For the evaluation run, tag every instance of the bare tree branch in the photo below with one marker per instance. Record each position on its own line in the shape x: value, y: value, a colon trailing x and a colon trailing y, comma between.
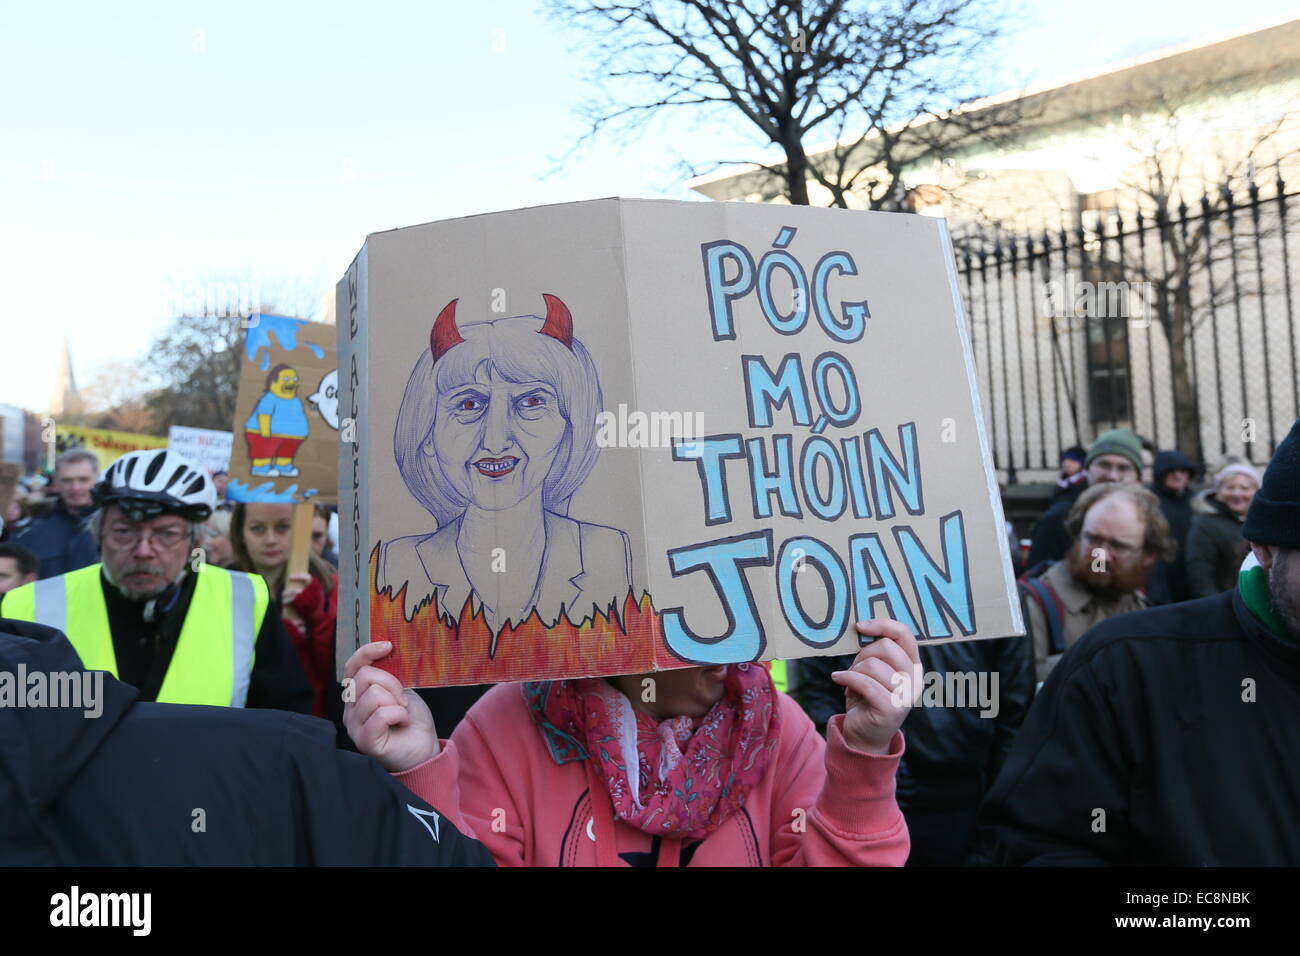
x: 794, y: 70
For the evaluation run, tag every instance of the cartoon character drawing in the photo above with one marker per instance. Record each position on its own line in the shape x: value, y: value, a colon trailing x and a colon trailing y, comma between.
x: 495, y: 434
x: 277, y: 426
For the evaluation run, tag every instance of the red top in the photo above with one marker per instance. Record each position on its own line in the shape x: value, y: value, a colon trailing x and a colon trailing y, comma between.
x: 314, y: 639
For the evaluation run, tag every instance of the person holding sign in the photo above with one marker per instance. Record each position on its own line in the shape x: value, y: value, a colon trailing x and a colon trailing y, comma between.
x: 277, y: 426
x: 704, y: 766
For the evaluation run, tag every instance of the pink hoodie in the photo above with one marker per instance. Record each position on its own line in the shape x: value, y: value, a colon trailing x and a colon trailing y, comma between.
x: 821, y: 803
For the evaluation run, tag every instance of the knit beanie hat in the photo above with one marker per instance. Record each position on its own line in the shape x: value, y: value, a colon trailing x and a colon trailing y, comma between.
x: 1236, y: 468
x: 1172, y: 460
x: 1118, y: 441
x: 1274, y: 515
x: 1076, y: 453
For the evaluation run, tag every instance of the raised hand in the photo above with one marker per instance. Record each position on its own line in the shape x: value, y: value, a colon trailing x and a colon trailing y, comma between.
x: 296, y: 584
x: 881, y: 685
x: 385, y: 720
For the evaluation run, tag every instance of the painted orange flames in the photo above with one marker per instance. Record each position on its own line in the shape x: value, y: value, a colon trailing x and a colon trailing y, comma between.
x: 429, y: 652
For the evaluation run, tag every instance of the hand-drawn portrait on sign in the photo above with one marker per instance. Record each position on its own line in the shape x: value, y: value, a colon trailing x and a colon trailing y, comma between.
x: 495, y: 433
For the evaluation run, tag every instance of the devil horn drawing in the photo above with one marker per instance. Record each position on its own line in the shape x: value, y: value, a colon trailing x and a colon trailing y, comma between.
x: 444, y: 335
x: 559, y: 322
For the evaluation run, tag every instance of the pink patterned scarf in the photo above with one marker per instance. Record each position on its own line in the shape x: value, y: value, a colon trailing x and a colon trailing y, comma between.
x: 691, y: 774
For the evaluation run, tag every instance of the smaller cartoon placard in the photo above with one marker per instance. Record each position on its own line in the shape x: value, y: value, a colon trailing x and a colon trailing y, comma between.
x: 286, y: 419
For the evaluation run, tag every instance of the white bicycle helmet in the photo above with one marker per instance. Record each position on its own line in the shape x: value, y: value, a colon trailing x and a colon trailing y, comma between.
x: 155, y: 481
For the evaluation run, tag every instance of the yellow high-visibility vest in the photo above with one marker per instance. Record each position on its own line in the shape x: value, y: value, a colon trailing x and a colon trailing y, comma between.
x: 214, y: 654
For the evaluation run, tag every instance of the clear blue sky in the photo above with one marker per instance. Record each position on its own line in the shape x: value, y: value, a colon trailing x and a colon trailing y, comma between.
x: 147, y: 146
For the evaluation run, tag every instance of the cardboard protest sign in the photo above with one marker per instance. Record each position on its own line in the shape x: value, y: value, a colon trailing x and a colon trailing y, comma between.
x: 622, y: 436
x: 285, y: 444
x: 107, y: 445
x: 208, y: 447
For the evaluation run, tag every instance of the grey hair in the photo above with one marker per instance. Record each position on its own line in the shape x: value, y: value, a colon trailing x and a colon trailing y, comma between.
x: 218, y: 523
x: 74, y: 455
x: 513, y: 349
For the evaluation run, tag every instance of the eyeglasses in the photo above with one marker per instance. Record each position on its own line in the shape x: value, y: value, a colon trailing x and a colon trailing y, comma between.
x: 1122, y: 470
x: 1117, y: 548
x: 123, y: 537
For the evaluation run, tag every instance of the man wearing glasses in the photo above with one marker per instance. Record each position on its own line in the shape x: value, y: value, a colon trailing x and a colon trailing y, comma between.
x: 1116, y: 455
x: 154, y: 614
x: 1118, y: 533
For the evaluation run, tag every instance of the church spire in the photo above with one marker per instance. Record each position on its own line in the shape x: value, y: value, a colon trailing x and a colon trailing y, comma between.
x: 65, y: 400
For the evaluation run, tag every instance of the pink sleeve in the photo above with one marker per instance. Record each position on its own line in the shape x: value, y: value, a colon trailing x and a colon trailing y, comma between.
x: 484, y: 806
x: 836, y: 806
x: 437, y: 783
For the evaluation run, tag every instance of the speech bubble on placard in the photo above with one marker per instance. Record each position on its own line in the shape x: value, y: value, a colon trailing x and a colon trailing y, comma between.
x: 326, y: 399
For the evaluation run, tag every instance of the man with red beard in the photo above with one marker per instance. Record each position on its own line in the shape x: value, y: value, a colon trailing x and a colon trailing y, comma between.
x: 1118, y: 532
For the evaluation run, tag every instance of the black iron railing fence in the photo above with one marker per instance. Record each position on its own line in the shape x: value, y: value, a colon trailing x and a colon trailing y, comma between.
x: 1177, y: 320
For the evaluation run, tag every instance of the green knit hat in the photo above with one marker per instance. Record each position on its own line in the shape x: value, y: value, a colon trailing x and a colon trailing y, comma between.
x: 1118, y: 441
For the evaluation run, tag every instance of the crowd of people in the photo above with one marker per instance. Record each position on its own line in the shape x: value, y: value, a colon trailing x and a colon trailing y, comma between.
x: 1144, y: 718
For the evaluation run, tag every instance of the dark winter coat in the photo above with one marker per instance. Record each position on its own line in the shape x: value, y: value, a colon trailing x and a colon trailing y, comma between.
x: 1164, y: 737
x: 1215, y: 547
x: 953, y: 754
x: 60, y: 539
x: 184, y: 785
x: 1049, y: 540
x: 1177, y: 509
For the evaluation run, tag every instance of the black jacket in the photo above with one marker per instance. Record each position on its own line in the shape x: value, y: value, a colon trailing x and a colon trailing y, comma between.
x: 182, y: 785
x: 1049, y: 540
x: 60, y: 540
x: 144, y: 650
x: 1215, y: 546
x: 1177, y: 509
x: 1164, y: 737
x: 953, y: 754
